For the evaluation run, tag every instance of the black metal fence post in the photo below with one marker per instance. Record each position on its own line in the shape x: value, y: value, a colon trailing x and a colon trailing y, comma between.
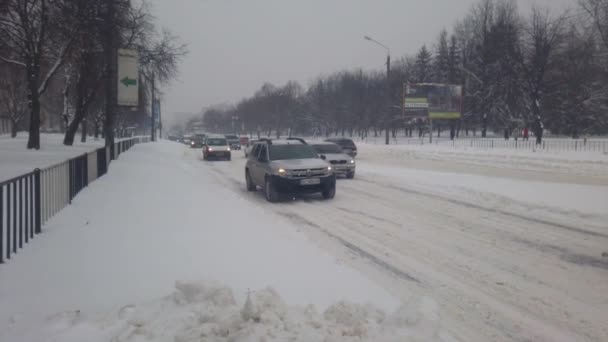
x: 14, y: 217
x: 1, y: 224
x: 26, y: 204
x: 32, y: 207
x: 21, y: 213
x: 38, y: 202
x: 8, y: 221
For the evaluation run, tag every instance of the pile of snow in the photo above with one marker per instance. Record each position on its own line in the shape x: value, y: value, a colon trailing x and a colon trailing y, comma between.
x: 209, y: 312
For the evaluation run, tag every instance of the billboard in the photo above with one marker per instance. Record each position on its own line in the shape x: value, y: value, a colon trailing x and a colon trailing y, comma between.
x: 128, y: 78
x: 432, y: 100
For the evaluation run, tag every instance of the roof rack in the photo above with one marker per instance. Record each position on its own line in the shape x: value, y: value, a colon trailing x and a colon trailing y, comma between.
x: 298, y: 139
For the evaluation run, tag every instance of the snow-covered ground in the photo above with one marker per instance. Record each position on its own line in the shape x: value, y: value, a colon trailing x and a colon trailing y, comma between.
x: 509, y: 245
x: 446, y: 244
x: 16, y: 159
x: 103, y: 267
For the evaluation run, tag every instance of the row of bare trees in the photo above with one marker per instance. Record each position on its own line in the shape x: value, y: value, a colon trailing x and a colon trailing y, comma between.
x: 543, y: 70
x: 56, y: 57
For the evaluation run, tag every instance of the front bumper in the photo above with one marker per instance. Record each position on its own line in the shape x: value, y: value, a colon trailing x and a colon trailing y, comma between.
x: 217, y: 154
x: 343, y: 169
x: 293, y: 186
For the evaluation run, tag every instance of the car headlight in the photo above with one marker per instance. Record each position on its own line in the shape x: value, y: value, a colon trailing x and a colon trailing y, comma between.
x: 210, y: 149
x: 228, y: 149
x: 281, y: 172
x: 329, y: 169
x: 352, y: 161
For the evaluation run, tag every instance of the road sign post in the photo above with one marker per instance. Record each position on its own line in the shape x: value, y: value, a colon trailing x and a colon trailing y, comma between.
x: 433, y: 101
x: 128, y: 78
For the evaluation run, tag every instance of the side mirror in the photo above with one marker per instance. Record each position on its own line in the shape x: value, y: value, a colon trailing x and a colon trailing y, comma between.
x: 323, y: 157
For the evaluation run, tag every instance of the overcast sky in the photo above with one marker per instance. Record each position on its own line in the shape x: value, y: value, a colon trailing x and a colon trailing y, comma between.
x: 237, y: 45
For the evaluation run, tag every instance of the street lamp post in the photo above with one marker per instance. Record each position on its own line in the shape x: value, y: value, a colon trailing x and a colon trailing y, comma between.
x: 388, y: 86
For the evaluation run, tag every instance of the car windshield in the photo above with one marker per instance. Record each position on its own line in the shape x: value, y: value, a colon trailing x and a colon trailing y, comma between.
x: 216, y: 142
x: 327, y: 148
x: 345, y: 143
x: 231, y: 137
x: 285, y: 152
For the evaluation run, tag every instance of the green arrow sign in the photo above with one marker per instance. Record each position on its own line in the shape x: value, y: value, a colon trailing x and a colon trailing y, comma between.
x: 128, y: 81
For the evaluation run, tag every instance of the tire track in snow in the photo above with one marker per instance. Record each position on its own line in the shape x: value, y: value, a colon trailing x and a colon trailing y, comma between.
x: 491, y: 210
x: 294, y: 217
x: 353, y: 248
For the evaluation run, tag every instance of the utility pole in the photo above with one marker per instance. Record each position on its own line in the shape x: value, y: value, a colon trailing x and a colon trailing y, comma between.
x: 153, y: 111
x: 388, y: 97
x: 111, y: 59
x: 388, y: 86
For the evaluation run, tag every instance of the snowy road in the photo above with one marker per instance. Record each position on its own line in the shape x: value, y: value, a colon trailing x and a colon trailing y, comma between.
x: 504, y: 247
x: 507, y: 258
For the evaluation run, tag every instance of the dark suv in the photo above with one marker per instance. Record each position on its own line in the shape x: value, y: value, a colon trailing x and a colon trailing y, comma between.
x: 348, y: 145
x: 288, y: 167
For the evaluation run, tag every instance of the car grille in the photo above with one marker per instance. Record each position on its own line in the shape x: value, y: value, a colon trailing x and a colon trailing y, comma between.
x: 338, y: 162
x: 304, y: 173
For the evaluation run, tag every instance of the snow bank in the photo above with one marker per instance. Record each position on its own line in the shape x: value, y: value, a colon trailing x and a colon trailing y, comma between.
x: 204, y: 311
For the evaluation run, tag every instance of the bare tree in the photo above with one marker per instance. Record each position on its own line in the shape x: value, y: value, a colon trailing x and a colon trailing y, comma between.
x: 540, y: 43
x: 27, y: 27
x: 13, y: 102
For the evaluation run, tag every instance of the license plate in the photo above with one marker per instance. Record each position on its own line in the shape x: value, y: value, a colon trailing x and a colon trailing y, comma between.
x: 311, y: 181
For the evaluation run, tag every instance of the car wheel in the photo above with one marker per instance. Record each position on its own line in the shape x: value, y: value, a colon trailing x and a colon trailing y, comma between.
x: 330, y: 192
x: 350, y: 175
x: 250, y: 186
x: 271, y: 194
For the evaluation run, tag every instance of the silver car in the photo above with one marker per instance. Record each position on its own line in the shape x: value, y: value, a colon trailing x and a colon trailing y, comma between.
x: 342, y: 163
x: 288, y: 166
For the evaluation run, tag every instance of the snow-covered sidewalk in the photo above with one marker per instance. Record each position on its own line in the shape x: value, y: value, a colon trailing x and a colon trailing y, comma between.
x: 106, y: 268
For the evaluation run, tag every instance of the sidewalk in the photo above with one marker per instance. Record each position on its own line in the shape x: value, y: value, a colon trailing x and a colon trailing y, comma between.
x: 154, y: 220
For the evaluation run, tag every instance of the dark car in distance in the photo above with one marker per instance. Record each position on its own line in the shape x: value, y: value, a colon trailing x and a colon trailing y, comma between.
x: 348, y: 145
x: 233, y: 141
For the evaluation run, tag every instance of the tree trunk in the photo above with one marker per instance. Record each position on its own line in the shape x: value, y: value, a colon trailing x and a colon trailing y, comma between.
x: 83, y: 129
x: 14, y: 129
x: 80, y: 110
x: 33, y: 71
x: 96, y: 130
x: 452, y: 130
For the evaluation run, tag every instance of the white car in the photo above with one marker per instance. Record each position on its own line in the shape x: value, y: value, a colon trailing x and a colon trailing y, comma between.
x: 342, y: 163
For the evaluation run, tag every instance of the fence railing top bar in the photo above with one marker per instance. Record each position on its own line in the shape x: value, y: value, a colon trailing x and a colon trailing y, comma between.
x: 15, y: 179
